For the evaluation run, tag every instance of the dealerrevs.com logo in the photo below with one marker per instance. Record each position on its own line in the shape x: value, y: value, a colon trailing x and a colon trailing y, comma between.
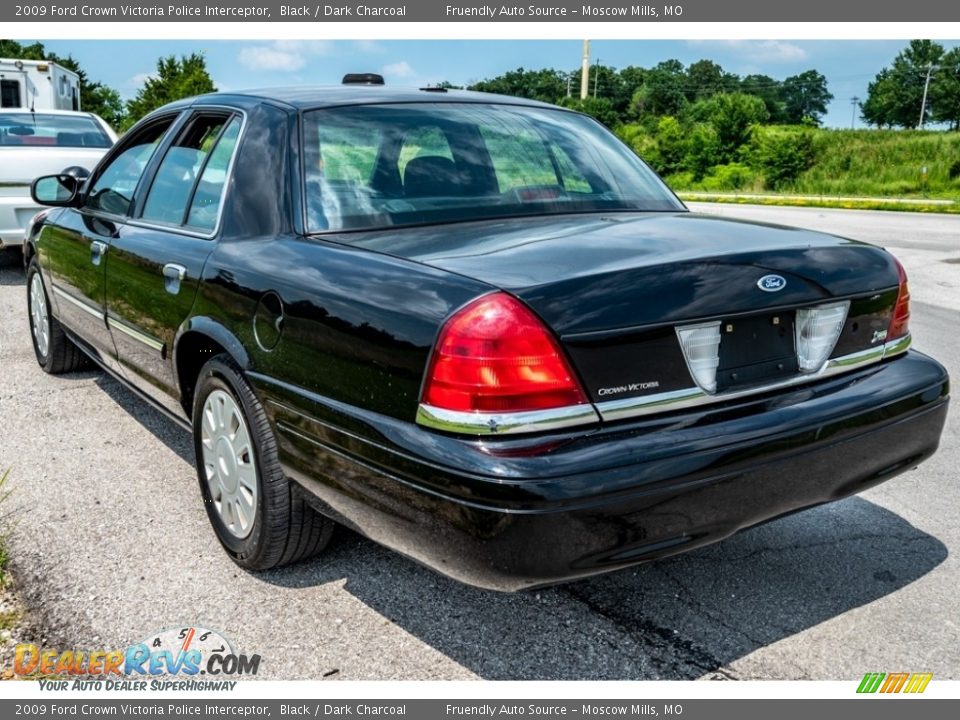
x: 181, y: 658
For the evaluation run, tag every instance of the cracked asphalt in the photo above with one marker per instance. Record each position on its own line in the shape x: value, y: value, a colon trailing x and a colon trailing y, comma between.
x: 111, y: 543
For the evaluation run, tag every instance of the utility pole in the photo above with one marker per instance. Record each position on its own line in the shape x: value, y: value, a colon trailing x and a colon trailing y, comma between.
x: 569, y: 81
x: 923, y: 105
x: 596, y: 77
x: 585, y: 71
x: 855, y: 101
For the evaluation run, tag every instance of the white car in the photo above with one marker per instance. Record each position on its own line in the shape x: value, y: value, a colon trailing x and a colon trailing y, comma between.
x: 42, y: 143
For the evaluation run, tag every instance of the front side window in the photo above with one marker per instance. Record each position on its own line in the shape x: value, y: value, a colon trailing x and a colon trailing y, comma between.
x: 378, y: 166
x: 112, y: 190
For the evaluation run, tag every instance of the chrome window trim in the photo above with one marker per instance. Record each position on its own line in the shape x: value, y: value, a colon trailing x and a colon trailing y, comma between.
x: 184, y: 229
x: 695, y: 397
x: 491, y: 423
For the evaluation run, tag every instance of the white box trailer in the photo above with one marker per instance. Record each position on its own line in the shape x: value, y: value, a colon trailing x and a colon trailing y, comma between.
x: 38, y: 85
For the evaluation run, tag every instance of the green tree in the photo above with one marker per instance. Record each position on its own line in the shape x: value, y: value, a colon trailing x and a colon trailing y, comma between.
x: 945, y: 90
x: 546, y: 85
x: 706, y: 78
x: 662, y: 92
x: 896, y: 94
x: 175, y: 79
x: 878, y: 108
x: 703, y: 150
x: 782, y: 154
x: 805, y: 96
x: 767, y: 89
x: 95, y: 97
x: 605, y: 82
x: 597, y: 107
x: 732, y: 116
x: 13, y: 49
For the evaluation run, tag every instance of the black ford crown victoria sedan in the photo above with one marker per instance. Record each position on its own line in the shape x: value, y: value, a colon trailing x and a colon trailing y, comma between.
x: 474, y: 328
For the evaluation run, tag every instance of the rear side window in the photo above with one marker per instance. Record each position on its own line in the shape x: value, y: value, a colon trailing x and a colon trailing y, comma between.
x: 188, y: 184
x: 205, y: 206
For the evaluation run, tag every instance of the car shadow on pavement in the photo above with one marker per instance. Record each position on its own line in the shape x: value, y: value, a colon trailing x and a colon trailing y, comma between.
x: 162, y: 427
x: 679, y: 618
x: 11, y: 274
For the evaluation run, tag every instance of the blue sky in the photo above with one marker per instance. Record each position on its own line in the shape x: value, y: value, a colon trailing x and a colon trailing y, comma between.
x: 236, y: 64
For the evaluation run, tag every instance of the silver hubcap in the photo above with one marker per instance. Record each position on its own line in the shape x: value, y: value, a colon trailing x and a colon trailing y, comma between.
x: 40, y: 320
x: 228, y: 463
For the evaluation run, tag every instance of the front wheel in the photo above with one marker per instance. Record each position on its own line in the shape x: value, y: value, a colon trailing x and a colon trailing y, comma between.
x: 55, y: 352
x: 259, y: 521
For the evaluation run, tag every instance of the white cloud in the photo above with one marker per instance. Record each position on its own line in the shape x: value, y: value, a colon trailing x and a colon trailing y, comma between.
x: 401, y: 69
x: 369, y: 46
x: 268, y: 58
x: 282, y: 55
x: 139, y: 79
x: 759, y: 51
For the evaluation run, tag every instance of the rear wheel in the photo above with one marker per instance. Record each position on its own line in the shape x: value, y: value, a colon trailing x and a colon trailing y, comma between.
x: 257, y: 517
x: 55, y: 352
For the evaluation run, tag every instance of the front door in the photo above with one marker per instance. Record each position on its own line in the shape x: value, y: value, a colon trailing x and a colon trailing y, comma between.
x: 75, y: 248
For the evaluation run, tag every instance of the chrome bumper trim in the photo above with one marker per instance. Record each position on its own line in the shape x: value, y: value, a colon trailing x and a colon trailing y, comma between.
x: 694, y: 396
x: 479, y: 423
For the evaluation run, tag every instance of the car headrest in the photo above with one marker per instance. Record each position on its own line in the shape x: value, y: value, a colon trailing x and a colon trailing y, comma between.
x: 430, y: 175
x: 70, y: 139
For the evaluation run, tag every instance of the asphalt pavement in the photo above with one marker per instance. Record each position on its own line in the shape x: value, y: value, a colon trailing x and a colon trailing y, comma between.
x: 111, y: 544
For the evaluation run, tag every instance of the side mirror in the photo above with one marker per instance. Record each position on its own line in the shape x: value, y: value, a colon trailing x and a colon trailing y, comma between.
x: 56, y: 190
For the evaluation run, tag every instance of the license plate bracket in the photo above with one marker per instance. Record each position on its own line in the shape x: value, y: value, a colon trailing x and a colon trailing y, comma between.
x: 756, y: 350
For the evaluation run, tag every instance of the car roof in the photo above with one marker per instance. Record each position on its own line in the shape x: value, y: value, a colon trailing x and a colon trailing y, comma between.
x: 320, y: 96
x: 21, y: 111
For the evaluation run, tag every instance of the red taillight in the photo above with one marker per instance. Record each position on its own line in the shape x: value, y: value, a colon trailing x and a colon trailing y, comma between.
x: 900, y: 321
x: 495, y: 355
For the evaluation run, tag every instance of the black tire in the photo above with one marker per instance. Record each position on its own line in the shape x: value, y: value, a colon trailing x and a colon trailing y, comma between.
x: 61, y: 354
x: 285, y: 528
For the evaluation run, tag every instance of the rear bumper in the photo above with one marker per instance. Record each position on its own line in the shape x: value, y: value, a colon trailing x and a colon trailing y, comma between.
x: 15, y: 215
x: 513, y: 514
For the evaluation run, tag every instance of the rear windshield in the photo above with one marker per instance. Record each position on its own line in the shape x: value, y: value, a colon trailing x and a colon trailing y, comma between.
x: 377, y: 166
x: 44, y: 130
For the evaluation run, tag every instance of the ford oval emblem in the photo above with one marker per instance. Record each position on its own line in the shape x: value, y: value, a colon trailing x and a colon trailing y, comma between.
x: 771, y: 283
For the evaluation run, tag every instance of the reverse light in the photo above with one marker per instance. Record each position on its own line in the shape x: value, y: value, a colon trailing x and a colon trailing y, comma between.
x: 817, y: 331
x: 494, y: 355
x: 701, y: 350
x: 900, y: 321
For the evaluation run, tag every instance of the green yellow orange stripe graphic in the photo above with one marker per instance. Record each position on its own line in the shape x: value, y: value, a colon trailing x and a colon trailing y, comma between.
x: 914, y: 683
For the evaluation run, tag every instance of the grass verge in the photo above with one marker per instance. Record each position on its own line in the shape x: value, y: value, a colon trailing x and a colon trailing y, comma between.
x: 825, y: 202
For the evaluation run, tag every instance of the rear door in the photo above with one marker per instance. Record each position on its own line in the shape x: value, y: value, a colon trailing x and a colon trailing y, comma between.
x: 156, y: 260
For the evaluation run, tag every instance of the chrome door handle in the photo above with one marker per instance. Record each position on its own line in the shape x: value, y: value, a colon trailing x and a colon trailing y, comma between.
x: 172, y: 271
x: 97, y: 250
x: 173, y: 275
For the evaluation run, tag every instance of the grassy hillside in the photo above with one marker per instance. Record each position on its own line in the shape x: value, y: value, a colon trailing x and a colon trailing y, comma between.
x: 873, y: 163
